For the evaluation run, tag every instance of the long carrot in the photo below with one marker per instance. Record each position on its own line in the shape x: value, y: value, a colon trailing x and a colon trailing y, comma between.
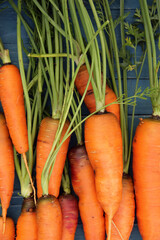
x: 9, y: 233
x: 11, y: 95
x: 146, y: 154
x: 83, y: 181
x: 27, y: 224
x: 13, y: 106
x: 81, y: 82
x: 6, y: 167
x: 103, y: 138
x: 104, y: 148
x: 49, y: 218
x: 146, y: 145
x: 123, y: 220
x: 46, y: 136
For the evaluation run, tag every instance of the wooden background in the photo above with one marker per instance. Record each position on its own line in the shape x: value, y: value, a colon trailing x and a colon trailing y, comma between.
x: 143, y: 109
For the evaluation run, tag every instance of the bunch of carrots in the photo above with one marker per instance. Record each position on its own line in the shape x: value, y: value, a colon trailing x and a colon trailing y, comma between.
x: 44, y: 111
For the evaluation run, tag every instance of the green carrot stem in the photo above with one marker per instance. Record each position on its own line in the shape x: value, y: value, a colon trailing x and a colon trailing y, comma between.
x: 124, y: 54
x: 151, y: 57
x: 49, y: 19
x: 30, y: 33
x: 17, y: 165
x: 65, y: 179
x: 158, y: 9
x: 151, y: 34
x: 52, y: 55
x: 126, y: 167
x: 51, y: 71
x: 57, y: 10
x: 29, y: 71
x: 57, y: 39
x: 41, y: 35
x: 102, y: 39
x: 21, y: 66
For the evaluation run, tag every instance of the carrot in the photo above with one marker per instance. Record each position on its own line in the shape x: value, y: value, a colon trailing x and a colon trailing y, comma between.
x: 9, y: 233
x: 26, y: 224
x: 81, y: 82
x: 83, y: 182
x: 69, y: 207
x: 12, y: 99
x: 11, y: 95
x: 146, y: 177
x: 146, y: 143
x: 123, y: 220
x: 46, y: 136
x: 49, y: 218
x: 6, y: 167
x: 103, y: 140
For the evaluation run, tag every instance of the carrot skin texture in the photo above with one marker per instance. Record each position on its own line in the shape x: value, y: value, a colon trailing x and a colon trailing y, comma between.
x: 83, y: 182
x: 11, y: 96
x: 7, y: 171
x: 9, y: 233
x: 69, y: 207
x: 27, y: 224
x: 103, y: 140
x: 45, y: 140
x: 49, y: 218
x: 123, y: 220
x: 81, y: 83
x: 146, y: 175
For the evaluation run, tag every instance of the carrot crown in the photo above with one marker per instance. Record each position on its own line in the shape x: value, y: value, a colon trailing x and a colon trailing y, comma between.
x: 4, y: 54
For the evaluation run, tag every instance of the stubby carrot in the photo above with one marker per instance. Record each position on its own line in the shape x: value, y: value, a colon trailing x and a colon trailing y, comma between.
x: 123, y: 220
x: 46, y: 135
x: 103, y: 140
x: 81, y: 83
x: 6, y: 167
x: 9, y: 233
x: 83, y: 182
x: 27, y: 224
x: 49, y: 218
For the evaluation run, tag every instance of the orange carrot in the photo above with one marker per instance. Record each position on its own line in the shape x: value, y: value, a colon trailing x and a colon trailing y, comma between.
x: 81, y: 82
x: 9, y: 233
x: 11, y: 95
x: 69, y: 207
x: 83, y: 181
x: 103, y: 140
x: 26, y: 224
x: 6, y: 167
x: 49, y: 218
x: 46, y: 135
x: 146, y: 158
x: 123, y: 220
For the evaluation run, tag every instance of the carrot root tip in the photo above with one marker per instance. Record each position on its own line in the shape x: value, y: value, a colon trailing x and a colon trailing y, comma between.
x: 4, y: 214
x: 109, y: 228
